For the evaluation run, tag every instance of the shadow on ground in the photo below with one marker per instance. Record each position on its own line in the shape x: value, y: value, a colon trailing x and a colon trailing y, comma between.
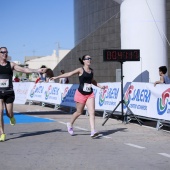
x: 27, y: 134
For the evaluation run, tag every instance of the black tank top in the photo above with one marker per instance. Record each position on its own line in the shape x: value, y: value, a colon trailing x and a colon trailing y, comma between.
x: 6, y: 75
x: 85, y: 80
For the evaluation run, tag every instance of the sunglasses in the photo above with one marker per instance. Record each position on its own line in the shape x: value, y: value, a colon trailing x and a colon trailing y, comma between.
x: 4, y: 52
x: 88, y: 59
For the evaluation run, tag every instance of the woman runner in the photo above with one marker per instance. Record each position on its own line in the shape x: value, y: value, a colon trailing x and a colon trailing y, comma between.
x: 84, y: 94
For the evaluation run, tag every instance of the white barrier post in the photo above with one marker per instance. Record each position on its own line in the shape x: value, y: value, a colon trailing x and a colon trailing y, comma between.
x: 87, y: 113
x: 30, y: 102
x: 159, y: 125
x: 105, y: 114
x: 56, y: 106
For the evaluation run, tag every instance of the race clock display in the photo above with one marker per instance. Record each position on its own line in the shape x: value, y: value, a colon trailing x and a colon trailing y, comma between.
x: 121, y: 55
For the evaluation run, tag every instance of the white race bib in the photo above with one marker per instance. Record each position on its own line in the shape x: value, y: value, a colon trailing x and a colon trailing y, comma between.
x: 87, y: 87
x: 4, y: 83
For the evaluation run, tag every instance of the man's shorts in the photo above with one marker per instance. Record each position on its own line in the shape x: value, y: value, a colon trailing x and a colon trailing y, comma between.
x: 80, y: 98
x: 7, y: 96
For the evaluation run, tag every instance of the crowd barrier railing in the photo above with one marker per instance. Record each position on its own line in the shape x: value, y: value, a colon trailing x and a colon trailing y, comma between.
x: 143, y: 99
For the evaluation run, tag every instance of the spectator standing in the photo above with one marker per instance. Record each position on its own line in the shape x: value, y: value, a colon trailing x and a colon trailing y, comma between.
x: 163, y: 77
x: 42, y: 76
x: 63, y: 80
x: 16, y: 79
x: 49, y: 74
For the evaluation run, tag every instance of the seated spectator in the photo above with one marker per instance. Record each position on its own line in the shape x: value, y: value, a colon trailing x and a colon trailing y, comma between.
x: 16, y: 79
x: 163, y: 78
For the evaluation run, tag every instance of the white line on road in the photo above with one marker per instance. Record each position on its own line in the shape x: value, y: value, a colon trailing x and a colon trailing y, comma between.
x: 62, y: 122
x: 16, y: 111
x: 80, y: 128
x: 135, y: 146
x: 165, y: 154
x: 107, y: 137
x: 76, y: 127
x: 49, y: 119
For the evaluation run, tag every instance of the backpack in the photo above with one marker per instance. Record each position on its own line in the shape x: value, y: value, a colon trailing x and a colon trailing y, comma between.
x: 67, y: 81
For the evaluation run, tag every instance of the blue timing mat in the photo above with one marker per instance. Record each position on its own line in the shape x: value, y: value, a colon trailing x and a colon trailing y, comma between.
x: 21, y: 118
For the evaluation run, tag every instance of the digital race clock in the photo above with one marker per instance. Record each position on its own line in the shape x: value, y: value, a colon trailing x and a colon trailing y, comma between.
x: 121, y: 55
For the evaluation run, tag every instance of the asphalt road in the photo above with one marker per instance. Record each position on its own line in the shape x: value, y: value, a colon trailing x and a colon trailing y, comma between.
x: 48, y: 146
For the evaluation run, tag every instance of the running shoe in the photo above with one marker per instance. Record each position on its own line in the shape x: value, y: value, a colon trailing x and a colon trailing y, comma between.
x: 3, y: 137
x: 94, y: 134
x: 12, y: 121
x: 70, y: 129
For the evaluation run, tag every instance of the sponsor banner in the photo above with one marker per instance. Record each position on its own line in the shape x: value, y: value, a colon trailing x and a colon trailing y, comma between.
x: 21, y: 89
x: 108, y: 98
x: 142, y: 98
x: 138, y: 97
x: 67, y: 92
x: 159, y: 106
x: 45, y: 92
x: 146, y: 100
x: 35, y: 92
x: 51, y: 93
x: 63, y: 94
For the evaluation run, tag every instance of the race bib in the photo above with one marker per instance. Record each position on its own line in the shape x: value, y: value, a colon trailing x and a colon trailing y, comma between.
x: 4, y: 83
x: 87, y: 87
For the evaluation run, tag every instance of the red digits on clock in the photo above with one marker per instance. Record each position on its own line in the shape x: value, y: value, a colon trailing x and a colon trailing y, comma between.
x: 108, y: 55
x: 136, y: 54
x: 114, y: 55
x: 120, y: 55
x: 126, y: 55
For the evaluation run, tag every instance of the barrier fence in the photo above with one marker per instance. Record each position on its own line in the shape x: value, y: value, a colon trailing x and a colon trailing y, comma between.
x: 143, y: 99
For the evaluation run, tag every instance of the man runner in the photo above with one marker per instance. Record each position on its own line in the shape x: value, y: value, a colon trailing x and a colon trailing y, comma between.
x: 7, y: 95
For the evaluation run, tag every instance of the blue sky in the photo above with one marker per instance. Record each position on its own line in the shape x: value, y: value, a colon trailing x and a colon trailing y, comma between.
x: 35, y: 27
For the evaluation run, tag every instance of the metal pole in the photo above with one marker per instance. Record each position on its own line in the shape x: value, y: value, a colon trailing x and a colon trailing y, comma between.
x: 122, y: 90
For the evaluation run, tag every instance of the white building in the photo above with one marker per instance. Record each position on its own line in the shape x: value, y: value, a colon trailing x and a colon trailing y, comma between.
x: 50, y: 61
